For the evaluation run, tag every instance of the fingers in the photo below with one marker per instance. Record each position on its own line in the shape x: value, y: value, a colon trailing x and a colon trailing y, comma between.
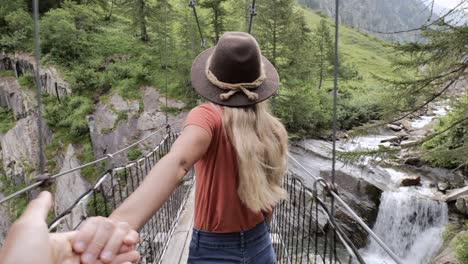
x: 129, y: 257
x: 102, y: 238
x: 125, y: 248
x: 114, y: 245
x: 132, y: 238
x: 39, y: 207
x: 103, y: 234
x: 85, y: 235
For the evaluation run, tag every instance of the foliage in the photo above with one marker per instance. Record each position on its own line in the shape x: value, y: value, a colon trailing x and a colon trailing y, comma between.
x: 134, y: 153
x: 7, y: 121
x: 97, y: 205
x: 461, y: 244
x: 356, y: 108
x: 450, y: 149
x: 305, y: 111
x: 26, y: 80
x: 217, y: 17
x: 85, y: 155
x: 17, y: 32
x: 64, y: 33
x: 7, y: 73
x: 70, y: 115
x: 7, y: 187
x: 449, y: 233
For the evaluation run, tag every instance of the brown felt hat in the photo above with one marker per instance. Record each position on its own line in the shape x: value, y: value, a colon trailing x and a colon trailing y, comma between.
x: 234, y: 72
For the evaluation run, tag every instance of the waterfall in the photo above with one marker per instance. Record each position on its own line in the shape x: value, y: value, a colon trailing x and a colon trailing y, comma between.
x: 411, y: 226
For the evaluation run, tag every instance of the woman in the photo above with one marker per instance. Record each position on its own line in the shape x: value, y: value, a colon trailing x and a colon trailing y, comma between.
x: 239, y: 150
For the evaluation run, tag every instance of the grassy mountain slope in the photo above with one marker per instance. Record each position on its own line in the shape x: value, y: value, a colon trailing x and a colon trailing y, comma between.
x: 372, y: 56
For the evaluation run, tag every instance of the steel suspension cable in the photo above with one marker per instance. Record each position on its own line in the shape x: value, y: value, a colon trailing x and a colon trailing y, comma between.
x: 37, y: 57
x: 335, y: 88
x: 109, y: 156
x: 253, y: 12
x: 192, y: 5
x: 165, y: 58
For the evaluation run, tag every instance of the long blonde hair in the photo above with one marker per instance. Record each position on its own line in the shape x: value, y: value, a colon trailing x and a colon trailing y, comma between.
x: 260, y: 141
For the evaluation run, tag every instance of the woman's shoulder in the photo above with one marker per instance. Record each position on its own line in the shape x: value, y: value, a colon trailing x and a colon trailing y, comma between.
x: 207, y: 110
x: 204, y: 115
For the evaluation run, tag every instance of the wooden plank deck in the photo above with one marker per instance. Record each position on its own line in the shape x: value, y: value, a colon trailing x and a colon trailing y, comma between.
x: 177, y: 250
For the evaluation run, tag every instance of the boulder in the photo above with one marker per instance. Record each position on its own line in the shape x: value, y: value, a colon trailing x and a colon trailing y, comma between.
x: 68, y: 188
x: 443, y: 186
x: 150, y: 99
x: 20, y: 146
x: 4, y: 221
x: 20, y: 101
x: 411, y: 181
x: 395, y: 128
x: 406, y: 124
x: 462, y: 204
x: 396, y: 140
x: 391, y: 139
x: 453, y: 195
x: 109, y: 133
x: 51, y: 81
x: 171, y: 102
x: 414, y: 161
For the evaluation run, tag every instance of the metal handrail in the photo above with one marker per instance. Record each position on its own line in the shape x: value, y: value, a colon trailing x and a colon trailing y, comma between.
x: 352, y: 213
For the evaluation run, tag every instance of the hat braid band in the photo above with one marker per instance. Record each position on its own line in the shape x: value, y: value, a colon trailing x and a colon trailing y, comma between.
x: 236, y: 87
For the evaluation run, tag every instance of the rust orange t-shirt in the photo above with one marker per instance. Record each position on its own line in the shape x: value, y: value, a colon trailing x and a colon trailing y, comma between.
x: 218, y: 207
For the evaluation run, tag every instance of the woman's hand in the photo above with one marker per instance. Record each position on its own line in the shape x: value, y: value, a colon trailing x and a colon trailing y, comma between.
x: 104, y: 239
x: 29, y: 241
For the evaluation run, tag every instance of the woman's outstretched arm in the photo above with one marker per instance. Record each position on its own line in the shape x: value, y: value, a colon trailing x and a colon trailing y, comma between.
x: 101, y: 238
x: 163, y: 178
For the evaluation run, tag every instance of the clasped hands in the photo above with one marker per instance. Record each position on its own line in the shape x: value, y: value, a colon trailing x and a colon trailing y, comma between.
x: 99, y: 240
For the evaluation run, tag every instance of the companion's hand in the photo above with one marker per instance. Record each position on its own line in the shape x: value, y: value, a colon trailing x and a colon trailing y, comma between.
x: 29, y: 240
x: 103, y: 239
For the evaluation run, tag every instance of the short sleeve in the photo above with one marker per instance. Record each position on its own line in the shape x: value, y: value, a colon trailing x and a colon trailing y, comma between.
x: 204, y: 116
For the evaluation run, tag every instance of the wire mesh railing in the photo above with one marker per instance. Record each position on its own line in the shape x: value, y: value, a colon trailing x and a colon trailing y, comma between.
x: 111, y: 189
x: 304, y: 231
x: 108, y: 192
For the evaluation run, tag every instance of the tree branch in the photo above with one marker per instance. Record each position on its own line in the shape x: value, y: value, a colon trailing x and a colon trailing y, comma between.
x: 433, y: 135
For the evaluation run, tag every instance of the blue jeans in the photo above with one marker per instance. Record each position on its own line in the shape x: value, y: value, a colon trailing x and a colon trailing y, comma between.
x: 250, y: 246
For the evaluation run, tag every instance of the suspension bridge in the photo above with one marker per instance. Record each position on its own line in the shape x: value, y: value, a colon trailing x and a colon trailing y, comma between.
x: 303, y: 228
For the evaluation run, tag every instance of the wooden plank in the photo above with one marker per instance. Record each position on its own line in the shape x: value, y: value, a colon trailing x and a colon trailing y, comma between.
x: 177, y: 250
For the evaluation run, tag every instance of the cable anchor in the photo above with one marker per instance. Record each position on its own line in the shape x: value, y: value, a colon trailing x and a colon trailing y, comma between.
x: 45, y: 178
x: 192, y: 3
x: 253, y: 10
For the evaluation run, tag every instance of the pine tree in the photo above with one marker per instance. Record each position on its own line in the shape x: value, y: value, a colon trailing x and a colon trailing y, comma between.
x: 325, y: 53
x: 140, y: 18
x: 217, y: 16
x: 283, y: 36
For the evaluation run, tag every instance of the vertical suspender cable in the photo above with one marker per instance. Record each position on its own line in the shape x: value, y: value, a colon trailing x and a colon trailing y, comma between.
x: 192, y: 5
x: 335, y: 88
x: 253, y: 12
x: 38, y: 84
x: 165, y: 57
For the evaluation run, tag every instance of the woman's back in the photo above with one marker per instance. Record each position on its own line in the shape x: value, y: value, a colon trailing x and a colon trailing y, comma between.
x: 218, y: 207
